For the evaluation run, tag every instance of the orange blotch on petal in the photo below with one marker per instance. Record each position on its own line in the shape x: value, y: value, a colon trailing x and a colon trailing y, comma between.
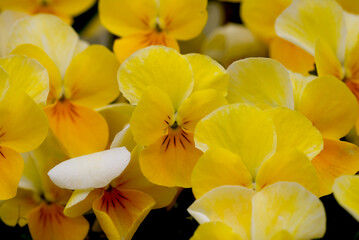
x: 80, y: 130
x: 49, y: 222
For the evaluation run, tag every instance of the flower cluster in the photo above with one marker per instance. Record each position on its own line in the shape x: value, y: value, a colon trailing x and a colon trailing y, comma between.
x: 260, y: 122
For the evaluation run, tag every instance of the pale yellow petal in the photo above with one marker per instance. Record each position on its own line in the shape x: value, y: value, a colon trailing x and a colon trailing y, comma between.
x: 214, y: 231
x: 270, y: 86
x: 287, y: 206
x: 330, y: 106
x: 306, y: 21
x: 295, y: 131
x: 231, y: 205
x: 240, y: 128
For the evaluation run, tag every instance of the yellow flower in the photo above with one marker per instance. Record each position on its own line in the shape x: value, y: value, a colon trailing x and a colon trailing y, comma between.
x: 111, y: 183
x: 23, y: 125
x: 142, y: 23
x: 281, y: 211
x: 253, y: 148
x: 65, y: 9
x: 82, y: 78
x: 172, y: 92
x: 331, y: 38
x: 325, y: 101
x: 346, y: 193
x: 39, y: 203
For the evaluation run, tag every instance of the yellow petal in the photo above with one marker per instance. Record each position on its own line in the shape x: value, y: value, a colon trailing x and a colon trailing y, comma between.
x: 351, y: 66
x: 242, y: 129
x: 37, y: 53
x: 299, y: 83
x: 127, y: 17
x: 120, y: 212
x: 337, y: 158
x: 132, y: 178
x: 126, y: 46
x: 11, y: 167
x: 288, y: 165
x: 295, y: 131
x: 183, y: 22
x: 170, y: 160
x: 48, y: 222
x: 232, y: 42
x: 81, y: 201
x: 291, y: 56
x: 352, y: 24
x: 152, y: 116
x: 260, y: 15
x: 27, y: 75
x: 159, y: 66
x: 90, y: 79
x: 15, y: 210
x: 346, y: 191
x: 197, y: 106
x: 287, y: 206
x: 72, y: 8
x: 22, y: 130
x: 7, y: 20
x: 58, y: 39
x: 330, y: 105
x: 4, y: 83
x: 80, y: 130
x: 326, y: 61
x: 214, y: 231
x: 95, y: 170
x: 231, y: 205
x: 218, y: 167
x: 208, y: 74
x: 270, y: 86
x: 306, y: 21
x: 117, y: 117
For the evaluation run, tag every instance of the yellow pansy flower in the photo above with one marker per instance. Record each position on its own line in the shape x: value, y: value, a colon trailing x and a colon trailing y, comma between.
x: 39, y: 203
x: 23, y: 125
x: 247, y: 146
x: 65, y: 9
x: 281, y: 211
x: 143, y: 23
x: 346, y: 193
x: 111, y: 183
x: 82, y: 78
x: 172, y: 92
x: 325, y: 101
x: 331, y: 38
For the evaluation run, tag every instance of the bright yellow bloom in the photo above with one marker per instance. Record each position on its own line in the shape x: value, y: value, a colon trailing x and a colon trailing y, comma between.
x: 65, y: 9
x: 82, y: 78
x: 281, y: 211
x: 23, y: 125
x: 346, y: 192
x: 253, y: 148
x: 328, y: 33
x: 325, y: 101
x: 39, y: 203
x: 111, y: 183
x: 172, y: 92
x: 142, y: 23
